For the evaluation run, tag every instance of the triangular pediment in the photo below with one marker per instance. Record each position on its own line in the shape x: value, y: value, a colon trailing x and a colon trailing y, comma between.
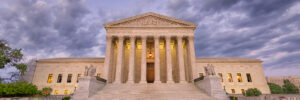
x: 150, y: 20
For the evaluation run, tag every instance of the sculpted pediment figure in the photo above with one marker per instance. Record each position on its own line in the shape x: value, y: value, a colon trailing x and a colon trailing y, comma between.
x: 150, y: 20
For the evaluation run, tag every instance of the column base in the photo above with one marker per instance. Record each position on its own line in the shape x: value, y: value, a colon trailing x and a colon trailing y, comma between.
x: 130, y: 82
x: 157, y: 82
x: 143, y: 82
x: 183, y: 82
x: 169, y: 81
x: 117, y: 82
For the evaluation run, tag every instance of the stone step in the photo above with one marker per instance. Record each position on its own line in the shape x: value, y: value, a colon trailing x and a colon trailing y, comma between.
x: 157, y: 91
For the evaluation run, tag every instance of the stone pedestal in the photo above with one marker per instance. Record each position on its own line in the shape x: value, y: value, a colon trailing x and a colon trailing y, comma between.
x: 87, y: 86
x: 212, y: 85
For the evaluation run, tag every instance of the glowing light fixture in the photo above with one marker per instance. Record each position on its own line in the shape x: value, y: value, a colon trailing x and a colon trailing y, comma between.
x: 150, y: 54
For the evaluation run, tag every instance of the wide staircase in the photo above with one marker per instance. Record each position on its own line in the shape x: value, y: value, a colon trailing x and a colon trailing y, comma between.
x: 156, y: 91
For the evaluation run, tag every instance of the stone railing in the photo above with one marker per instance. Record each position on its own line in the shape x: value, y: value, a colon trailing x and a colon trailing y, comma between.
x: 211, y: 84
x: 88, y: 86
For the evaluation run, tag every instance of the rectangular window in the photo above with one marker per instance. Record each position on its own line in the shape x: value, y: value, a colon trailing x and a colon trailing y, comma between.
x: 232, y: 91
x: 56, y: 92
x: 249, y: 77
x: 239, y: 77
x: 229, y: 77
x: 243, y: 91
x: 99, y: 75
x: 59, y: 78
x: 220, y: 74
x: 50, y: 78
x: 79, y: 75
x: 66, y: 91
x: 69, y: 78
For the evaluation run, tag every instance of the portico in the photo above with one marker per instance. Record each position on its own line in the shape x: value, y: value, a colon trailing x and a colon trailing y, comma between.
x: 149, y: 48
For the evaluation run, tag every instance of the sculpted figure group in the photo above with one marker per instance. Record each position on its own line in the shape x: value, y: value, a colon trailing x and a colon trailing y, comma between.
x: 89, y: 71
x: 209, y: 70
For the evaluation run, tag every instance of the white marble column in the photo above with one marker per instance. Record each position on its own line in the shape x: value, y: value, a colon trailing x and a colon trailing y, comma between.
x: 180, y: 60
x: 107, y: 60
x: 169, y: 60
x: 144, y: 60
x: 192, y: 57
x: 157, y: 62
x: 119, y: 59
x: 131, y: 60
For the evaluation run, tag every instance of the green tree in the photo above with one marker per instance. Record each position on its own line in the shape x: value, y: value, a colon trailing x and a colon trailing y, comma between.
x: 17, y: 89
x: 66, y: 98
x: 289, y: 87
x: 46, y: 91
x: 275, y: 89
x: 11, y: 57
x: 22, y: 67
x: 253, y: 92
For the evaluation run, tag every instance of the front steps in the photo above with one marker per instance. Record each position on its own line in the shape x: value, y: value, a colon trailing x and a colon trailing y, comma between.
x: 151, y: 91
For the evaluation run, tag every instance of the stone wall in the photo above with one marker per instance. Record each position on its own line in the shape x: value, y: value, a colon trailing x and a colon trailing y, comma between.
x: 279, y: 80
x: 234, y: 66
x: 63, y: 66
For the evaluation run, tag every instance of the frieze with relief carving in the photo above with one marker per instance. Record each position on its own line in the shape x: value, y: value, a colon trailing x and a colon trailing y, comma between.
x: 149, y: 21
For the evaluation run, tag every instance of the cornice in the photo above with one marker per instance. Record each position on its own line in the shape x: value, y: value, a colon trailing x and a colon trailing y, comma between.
x: 71, y: 60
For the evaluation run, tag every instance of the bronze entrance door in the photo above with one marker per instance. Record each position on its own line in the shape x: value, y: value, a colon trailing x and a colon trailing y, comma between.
x: 150, y: 72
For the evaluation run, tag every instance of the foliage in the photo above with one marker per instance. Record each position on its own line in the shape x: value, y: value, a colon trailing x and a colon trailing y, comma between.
x: 46, y: 91
x: 17, y: 89
x: 289, y: 87
x: 66, y: 98
x: 253, y: 92
x: 11, y: 57
x: 22, y: 67
x: 233, y: 98
x: 275, y: 89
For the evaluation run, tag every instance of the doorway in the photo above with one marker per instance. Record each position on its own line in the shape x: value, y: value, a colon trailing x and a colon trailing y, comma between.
x: 150, y: 72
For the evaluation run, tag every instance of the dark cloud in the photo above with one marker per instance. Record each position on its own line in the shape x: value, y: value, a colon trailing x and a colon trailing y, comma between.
x: 35, y: 25
x: 268, y: 30
x: 263, y: 11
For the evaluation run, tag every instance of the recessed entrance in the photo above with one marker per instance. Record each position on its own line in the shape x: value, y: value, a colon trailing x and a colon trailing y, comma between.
x: 150, y: 72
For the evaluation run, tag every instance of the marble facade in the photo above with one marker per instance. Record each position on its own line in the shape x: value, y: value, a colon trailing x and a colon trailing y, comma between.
x: 151, y: 49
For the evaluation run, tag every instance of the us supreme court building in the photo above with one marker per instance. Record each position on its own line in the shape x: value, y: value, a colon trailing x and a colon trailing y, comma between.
x: 150, y: 50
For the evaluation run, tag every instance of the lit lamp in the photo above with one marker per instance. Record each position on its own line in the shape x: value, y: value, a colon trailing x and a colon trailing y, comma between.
x: 150, y: 55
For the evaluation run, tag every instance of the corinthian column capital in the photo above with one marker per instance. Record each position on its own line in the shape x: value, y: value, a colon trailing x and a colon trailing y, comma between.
x: 156, y: 37
x: 121, y: 37
x: 191, y: 37
x: 143, y: 37
x: 179, y: 36
x: 108, y: 37
x: 132, y: 37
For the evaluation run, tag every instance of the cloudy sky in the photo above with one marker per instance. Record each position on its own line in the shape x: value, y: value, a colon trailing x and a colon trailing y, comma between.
x: 263, y: 29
